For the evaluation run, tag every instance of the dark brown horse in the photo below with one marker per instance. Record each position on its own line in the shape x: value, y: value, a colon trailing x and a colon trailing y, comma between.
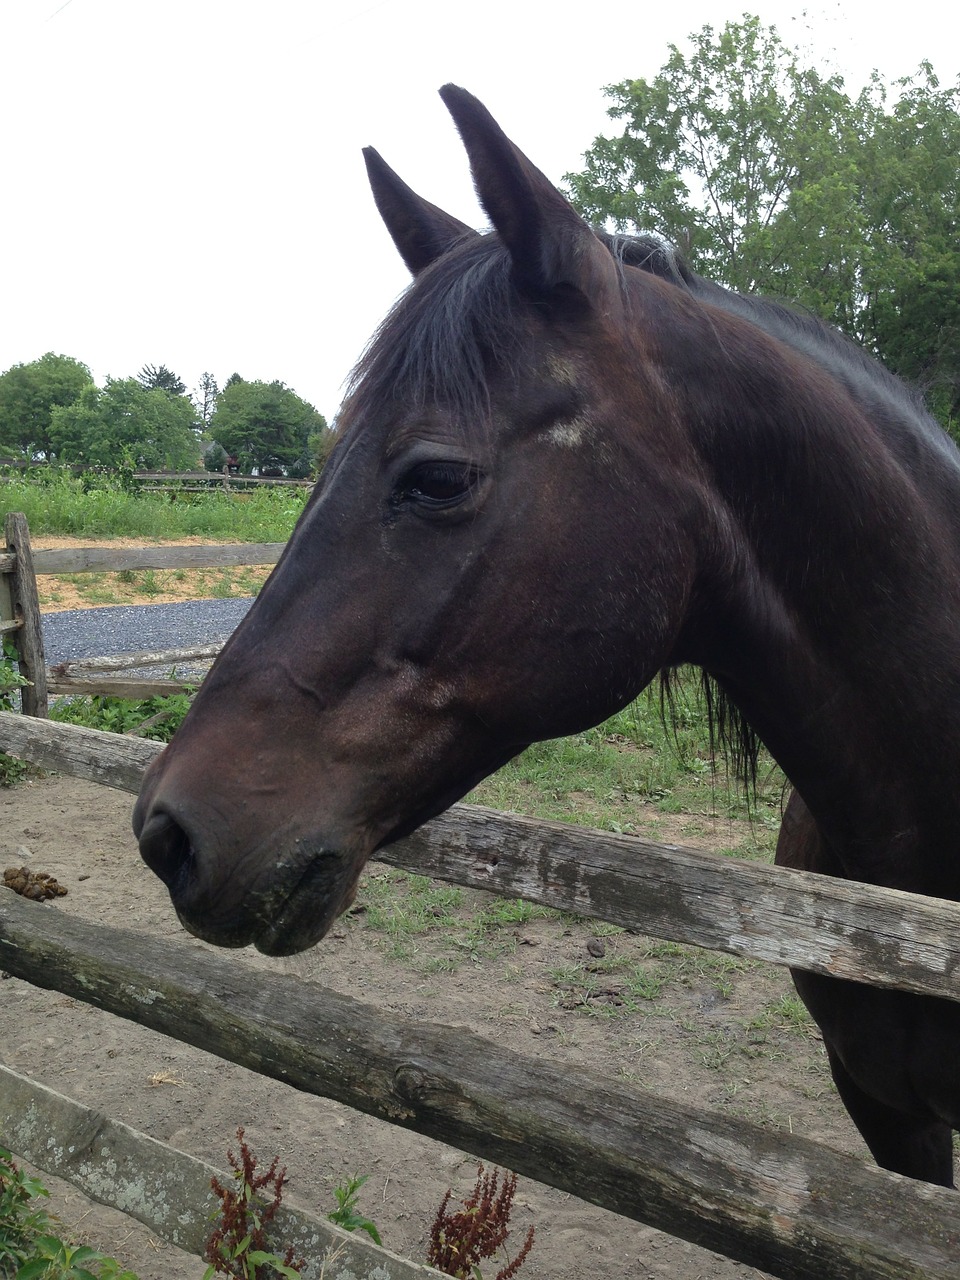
x: 567, y: 463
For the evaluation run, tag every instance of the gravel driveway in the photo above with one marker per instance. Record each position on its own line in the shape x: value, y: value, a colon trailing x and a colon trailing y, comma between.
x: 94, y: 633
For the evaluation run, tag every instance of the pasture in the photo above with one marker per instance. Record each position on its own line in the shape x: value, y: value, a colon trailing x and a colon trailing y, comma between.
x: 58, y: 503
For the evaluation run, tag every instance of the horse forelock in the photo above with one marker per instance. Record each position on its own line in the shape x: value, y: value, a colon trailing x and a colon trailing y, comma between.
x: 438, y: 343
x: 463, y: 316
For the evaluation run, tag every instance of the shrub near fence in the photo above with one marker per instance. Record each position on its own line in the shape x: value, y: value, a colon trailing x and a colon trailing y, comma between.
x: 781, y: 1203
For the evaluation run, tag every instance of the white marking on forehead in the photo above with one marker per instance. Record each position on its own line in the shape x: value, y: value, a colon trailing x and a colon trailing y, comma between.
x: 567, y: 433
x: 570, y: 433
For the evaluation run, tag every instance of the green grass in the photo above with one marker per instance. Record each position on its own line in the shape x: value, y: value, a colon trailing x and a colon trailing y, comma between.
x: 599, y: 778
x: 405, y: 909
x: 787, y: 1013
x: 58, y: 503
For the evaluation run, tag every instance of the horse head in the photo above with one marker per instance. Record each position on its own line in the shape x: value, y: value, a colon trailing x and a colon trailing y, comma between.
x: 490, y: 557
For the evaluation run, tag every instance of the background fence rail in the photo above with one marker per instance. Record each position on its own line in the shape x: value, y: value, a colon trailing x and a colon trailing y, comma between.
x: 20, y: 615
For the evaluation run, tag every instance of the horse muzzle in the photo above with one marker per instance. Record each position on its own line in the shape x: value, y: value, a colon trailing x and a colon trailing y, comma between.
x: 281, y: 896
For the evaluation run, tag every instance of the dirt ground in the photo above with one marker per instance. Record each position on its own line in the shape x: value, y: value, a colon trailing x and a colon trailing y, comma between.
x: 162, y: 586
x: 710, y: 1029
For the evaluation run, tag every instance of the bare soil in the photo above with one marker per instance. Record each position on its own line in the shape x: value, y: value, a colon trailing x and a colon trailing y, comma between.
x: 680, y: 1022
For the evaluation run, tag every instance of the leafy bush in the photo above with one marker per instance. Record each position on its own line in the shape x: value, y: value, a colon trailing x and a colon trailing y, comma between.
x: 121, y: 715
x: 462, y: 1238
x: 28, y: 1248
x: 346, y: 1214
x: 238, y: 1244
x: 11, y: 769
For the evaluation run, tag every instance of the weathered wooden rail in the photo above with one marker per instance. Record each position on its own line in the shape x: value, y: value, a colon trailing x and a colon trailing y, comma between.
x: 20, y: 610
x: 208, y: 481
x: 789, y: 1206
x: 836, y: 927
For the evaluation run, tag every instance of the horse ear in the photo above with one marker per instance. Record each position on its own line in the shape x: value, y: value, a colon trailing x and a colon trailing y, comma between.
x: 420, y: 230
x: 550, y: 244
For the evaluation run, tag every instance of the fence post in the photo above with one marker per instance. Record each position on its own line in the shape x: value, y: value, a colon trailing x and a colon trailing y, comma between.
x: 25, y: 609
x: 8, y: 620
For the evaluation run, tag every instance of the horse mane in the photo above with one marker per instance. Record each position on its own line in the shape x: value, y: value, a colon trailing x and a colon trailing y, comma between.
x: 440, y: 339
x: 892, y: 404
x: 730, y: 733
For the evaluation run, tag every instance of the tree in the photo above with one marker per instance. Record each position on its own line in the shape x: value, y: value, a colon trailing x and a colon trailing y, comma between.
x: 772, y: 178
x: 263, y: 425
x: 713, y: 147
x: 215, y: 458
x: 205, y: 399
x: 126, y: 423
x: 316, y: 451
x: 911, y: 277
x: 155, y: 377
x: 320, y: 446
x: 28, y: 395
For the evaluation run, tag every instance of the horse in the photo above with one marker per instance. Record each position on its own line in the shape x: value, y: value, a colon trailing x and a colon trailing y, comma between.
x: 567, y: 464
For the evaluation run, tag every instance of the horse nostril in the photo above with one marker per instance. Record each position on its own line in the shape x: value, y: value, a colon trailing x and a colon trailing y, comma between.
x: 166, y: 848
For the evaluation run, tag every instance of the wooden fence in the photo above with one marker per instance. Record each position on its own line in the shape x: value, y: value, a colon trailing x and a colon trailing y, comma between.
x: 782, y: 1203
x: 20, y: 617
x: 173, y: 482
x: 208, y: 481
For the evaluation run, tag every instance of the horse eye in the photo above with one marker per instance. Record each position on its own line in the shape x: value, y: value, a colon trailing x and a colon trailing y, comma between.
x: 438, y: 483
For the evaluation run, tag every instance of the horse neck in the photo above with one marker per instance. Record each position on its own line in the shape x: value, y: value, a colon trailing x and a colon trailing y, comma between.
x: 829, y: 603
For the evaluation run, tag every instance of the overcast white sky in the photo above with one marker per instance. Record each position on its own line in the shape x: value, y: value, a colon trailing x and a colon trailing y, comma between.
x: 183, y: 179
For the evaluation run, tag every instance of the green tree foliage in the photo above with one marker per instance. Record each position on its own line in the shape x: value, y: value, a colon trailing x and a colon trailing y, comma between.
x: 215, y: 458
x: 157, y: 377
x: 319, y: 447
x: 28, y: 395
x: 126, y: 423
x: 205, y: 399
x: 264, y: 425
x: 713, y: 147
x: 911, y: 276
x: 771, y: 177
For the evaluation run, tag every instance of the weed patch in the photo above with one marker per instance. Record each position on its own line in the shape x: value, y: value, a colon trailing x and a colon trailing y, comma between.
x: 155, y: 718
x: 30, y: 1246
x: 102, y: 506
